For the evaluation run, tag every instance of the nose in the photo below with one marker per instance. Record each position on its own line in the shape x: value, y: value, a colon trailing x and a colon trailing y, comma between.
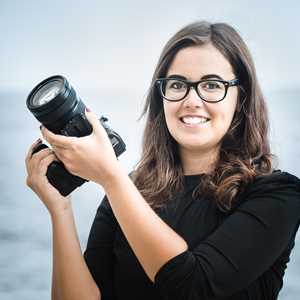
x: 192, y: 99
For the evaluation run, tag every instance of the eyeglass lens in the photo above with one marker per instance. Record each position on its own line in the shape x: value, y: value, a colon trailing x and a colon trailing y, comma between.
x: 210, y: 90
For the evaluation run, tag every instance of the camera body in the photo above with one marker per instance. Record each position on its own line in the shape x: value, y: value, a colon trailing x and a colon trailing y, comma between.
x: 55, y: 104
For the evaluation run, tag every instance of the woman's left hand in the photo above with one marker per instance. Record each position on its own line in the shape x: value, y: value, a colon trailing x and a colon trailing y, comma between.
x: 91, y: 157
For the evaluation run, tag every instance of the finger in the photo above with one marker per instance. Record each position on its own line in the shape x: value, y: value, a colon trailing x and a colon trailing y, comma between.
x: 29, y: 153
x: 45, y: 162
x: 38, y: 156
x: 93, y: 120
x: 57, y: 140
x: 34, y: 161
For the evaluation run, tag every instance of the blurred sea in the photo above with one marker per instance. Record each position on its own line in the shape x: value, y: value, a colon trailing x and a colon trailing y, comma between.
x: 25, y: 228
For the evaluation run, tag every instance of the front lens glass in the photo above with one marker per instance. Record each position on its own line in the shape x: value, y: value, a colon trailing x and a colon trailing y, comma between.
x: 47, y: 93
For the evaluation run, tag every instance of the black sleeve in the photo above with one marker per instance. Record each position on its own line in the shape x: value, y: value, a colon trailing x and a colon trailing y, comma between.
x: 99, y: 252
x: 241, y: 249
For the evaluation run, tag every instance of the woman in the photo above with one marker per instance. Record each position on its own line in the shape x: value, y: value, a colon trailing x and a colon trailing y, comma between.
x: 204, y: 214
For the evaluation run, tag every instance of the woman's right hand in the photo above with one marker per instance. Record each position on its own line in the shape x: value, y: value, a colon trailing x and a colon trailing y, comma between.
x: 37, y: 165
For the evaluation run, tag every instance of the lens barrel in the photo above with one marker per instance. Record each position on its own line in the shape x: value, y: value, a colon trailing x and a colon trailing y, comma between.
x: 55, y: 113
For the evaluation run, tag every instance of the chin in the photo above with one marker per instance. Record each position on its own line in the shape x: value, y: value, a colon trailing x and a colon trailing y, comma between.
x: 199, y: 144
x: 194, y: 147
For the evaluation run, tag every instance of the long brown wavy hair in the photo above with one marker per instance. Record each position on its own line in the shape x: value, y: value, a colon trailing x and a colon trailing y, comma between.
x: 245, y: 149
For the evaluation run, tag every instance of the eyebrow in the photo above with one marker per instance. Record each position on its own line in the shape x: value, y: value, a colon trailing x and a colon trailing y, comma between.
x: 207, y: 76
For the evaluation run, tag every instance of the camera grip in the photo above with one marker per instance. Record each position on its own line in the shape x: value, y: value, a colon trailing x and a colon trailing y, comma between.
x: 59, y: 177
x: 62, y: 180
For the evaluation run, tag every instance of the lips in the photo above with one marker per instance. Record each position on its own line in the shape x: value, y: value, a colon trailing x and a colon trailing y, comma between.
x: 194, y: 119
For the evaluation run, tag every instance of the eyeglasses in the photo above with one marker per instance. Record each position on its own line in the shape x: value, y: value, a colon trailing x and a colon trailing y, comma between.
x: 209, y: 90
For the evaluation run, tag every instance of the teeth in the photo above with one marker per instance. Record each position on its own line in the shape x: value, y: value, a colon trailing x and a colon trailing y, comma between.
x: 194, y: 120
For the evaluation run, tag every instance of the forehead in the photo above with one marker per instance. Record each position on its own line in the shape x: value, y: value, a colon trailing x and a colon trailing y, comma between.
x: 196, y: 61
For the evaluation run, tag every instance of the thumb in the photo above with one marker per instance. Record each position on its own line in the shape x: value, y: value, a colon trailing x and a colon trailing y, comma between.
x: 93, y: 120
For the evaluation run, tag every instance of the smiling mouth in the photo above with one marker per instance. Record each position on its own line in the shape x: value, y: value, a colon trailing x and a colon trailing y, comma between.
x: 194, y: 120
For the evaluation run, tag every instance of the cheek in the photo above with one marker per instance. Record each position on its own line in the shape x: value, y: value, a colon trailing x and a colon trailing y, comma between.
x: 170, y: 113
x: 224, y: 115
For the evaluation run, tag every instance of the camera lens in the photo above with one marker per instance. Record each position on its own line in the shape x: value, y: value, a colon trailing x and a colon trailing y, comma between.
x: 54, y: 103
x: 47, y: 92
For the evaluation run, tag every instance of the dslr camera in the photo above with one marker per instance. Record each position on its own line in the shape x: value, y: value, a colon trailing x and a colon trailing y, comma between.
x: 55, y: 104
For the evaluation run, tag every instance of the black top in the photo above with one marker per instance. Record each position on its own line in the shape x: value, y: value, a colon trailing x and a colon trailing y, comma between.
x: 238, y: 255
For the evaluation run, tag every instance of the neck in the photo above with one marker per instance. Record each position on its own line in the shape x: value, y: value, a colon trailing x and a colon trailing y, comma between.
x: 195, y: 162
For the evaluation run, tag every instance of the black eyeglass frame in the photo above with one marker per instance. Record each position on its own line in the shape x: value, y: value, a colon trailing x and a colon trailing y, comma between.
x: 194, y: 85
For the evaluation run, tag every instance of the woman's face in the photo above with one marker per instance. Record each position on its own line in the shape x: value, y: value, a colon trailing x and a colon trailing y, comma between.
x: 193, y: 63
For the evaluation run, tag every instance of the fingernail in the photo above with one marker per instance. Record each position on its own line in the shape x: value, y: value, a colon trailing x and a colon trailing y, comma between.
x: 87, y: 109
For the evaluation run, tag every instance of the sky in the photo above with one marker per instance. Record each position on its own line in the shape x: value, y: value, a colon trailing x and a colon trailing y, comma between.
x: 116, y: 44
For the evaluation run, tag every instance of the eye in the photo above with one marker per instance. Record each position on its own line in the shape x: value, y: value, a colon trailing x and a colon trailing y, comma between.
x: 211, y: 85
x: 176, y: 85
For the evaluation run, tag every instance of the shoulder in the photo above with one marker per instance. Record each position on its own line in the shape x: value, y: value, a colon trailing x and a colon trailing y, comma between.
x: 278, y: 175
x: 277, y: 187
x: 276, y: 181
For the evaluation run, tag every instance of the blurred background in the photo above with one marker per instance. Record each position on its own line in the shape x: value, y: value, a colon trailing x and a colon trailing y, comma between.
x: 108, y: 50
